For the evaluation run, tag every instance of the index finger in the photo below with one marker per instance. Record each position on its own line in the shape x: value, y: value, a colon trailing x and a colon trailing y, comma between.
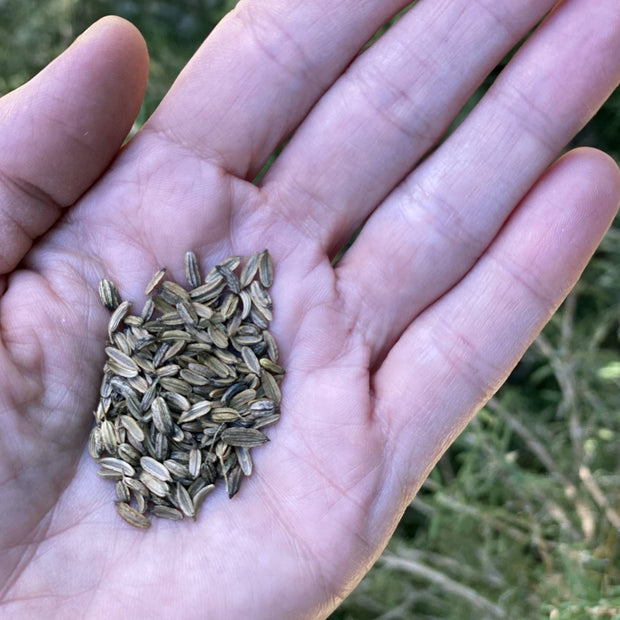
x: 260, y: 71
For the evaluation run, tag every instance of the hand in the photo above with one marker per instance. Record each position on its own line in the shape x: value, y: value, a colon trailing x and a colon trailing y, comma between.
x: 462, y: 259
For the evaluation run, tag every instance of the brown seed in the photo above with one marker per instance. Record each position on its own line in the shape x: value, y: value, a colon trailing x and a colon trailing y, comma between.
x: 155, y: 281
x: 262, y: 407
x: 192, y: 271
x: 201, y: 495
x: 272, y: 367
x: 196, y: 411
x: 267, y: 420
x: 154, y: 485
x: 136, y: 487
x: 167, y: 512
x: 249, y: 270
x: 249, y: 357
x: 186, y: 505
x: 109, y: 294
x: 108, y: 436
x: 155, y: 468
x: 129, y: 454
x: 245, y: 460
x: 133, y: 428
x: 187, y: 313
x: 195, y: 462
x: 122, y: 492
x: 132, y: 516
x: 233, y: 481
x: 117, y: 465
x: 117, y: 316
x: 221, y: 415
x: 122, y: 360
x: 243, y: 437
x: 265, y: 269
x: 95, y: 443
x: 176, y: 469
x: 161, y: 414
x: 193, y: 378
x: 172, y: 292
x: 270, y: 386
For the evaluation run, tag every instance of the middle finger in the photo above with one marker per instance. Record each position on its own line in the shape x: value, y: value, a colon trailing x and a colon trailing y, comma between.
x: 390, y: 108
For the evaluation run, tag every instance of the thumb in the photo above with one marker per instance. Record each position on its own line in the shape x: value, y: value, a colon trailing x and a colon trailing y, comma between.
x: 60, y: 131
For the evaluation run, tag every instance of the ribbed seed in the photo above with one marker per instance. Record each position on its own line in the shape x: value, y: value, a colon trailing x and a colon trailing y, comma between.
x: 132, y: 516
x: 192, y: 270
x: 155, y: 468
x: 243, y: 437
x: 187, y: 385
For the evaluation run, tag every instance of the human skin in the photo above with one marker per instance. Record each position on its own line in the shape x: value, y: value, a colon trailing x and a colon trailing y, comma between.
x: 464, y: 256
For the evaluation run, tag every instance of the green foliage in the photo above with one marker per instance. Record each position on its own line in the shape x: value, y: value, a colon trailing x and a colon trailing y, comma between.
x: 520, y: 519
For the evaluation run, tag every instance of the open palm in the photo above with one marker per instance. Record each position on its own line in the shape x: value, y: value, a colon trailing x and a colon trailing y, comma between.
x: 462, y: 259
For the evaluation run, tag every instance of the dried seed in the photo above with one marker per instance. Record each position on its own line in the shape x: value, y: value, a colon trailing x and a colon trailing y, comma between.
x: 132, y: 516
x: 270, y: 386
x: 154, y: 485
x: 128, y: 453
x: 233, y: 481
x: 249, y: 270
x: 147, y: 310
x: 109, y: 294
x: 249, y: 357
x: 200, y: 496
x: 117, y: 465
x: 193, y: 378
x: 266, y: 420
x: 195, y: 462
x: 122, y: 360
x: 184, y: 501
x: 108, y: 436
x: 245, y: 460
x: 155, y: 468
x: 95, y: 443
x: 265, y: 269
x: 167, y: 512
x: 176, y: 469
x: 196, y: 411
x: 231, y: 279
x: 192, y: 271
x: 161, y: 414
x: 262, y: 407
x: 155, y: 281
x: 122, y: 492
x: 136, y: 487
x: 172, y: 384
x: 117, y: 316
x: 221, y: 415
x: 243, y: 437
x: 133, y: 428
x: 172, y: 292
x: 272, y: 367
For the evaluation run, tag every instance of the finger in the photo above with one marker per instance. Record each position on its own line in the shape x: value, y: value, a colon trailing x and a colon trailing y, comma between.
x: 391, y: 106
x: 59, y: 131
x: 257, y: 75
x: 432, y: 229
x: 453, y: 357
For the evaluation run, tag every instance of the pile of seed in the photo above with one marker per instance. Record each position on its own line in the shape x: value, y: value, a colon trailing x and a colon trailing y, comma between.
x: 188, y: 385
